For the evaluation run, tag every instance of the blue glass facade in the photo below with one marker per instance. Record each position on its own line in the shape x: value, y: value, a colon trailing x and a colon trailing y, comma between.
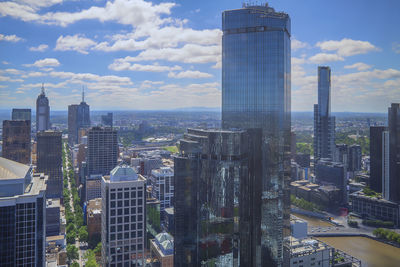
x: 324, y: 123
x: 256, y: 88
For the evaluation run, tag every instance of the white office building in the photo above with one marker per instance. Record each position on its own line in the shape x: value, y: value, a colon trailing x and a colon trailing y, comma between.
x: 162, y: 181
x: 22, y: 215
x: 123, y: 218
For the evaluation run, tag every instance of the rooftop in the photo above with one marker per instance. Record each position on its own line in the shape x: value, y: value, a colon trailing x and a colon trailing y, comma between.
x: 10, y: 169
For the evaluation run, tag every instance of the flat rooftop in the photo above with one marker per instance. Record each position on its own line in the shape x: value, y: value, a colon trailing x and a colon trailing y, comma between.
x: 10, y: 169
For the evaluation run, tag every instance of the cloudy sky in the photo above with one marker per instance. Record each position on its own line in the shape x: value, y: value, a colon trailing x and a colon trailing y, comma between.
x: 137, y: 54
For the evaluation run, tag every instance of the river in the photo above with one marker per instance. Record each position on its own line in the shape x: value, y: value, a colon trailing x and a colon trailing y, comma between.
x: 372, y: 253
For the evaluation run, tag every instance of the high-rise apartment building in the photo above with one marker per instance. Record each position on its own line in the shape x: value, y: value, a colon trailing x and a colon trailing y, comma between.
x: 394, y: 152
x: 49, y: 161
x: 42, y: 112
x: 22, y: 215
x: 324, y: 123
x: 211, y: 184
x: 355, y: 158
x: 123, y: 230
x: 256, y: 93
x: 107, y: 120
x: 375, y: 148
x: 102, y: 151
x: 17, y: 141
x: 78, y: 118
x: 21, y: 114
x: 162, y: 182
x: 385, y: 184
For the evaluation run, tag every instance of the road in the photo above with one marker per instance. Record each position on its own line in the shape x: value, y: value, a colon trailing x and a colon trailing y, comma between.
x: 81, y: 249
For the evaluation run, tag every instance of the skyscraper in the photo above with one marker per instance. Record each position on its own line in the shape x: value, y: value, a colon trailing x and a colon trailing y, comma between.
x: 256, y: 84
x: 394, y: 152
x: 23, y: 114
x: 102, y: 151
x: 375, y: 148
x: 42, y: 112
x: 385, y: 184
x: 209, y: 220
x: 123, y: 232
x: 49, y: 161
x: 324, y: 123
x: 22, y: 215
x: 78, y: 118
x: 107, y: 120
x: 355, y: 158
x: 17, y: 141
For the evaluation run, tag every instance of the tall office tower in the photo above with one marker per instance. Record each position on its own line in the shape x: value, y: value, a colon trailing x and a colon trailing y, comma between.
x: 324, y: 123
x: 123, y: 230
x: 342, y: 154
x: 107, y: 120
x: 211, y: 181
x: 385, y: 185
x: 355, y: 158
x: 21, y: 114
x: 22, y: 215
x: 102, y: 151
x: 17, y: 141
x: 78, y: 118
x: 293, y: 143
x: 162, y: 181
x: 394, y: 152
x: 375, y: 151
x: 49, y: 161
x: 42, y: 112
x: 256, y: 88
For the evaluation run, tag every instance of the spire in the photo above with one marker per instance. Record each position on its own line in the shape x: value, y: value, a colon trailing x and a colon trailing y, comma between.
x: 42, y: 89
x: 83, y: 94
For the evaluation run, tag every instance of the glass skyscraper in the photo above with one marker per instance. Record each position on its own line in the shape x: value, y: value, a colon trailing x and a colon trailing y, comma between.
x: 324, y: 123
x: 42, y: 112
x: 256, y: 88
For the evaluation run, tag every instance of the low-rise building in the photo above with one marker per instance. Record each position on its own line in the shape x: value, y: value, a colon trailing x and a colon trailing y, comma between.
x: 93, y: 187
x: 375, y: 208
x: 162, y: 249
x: 93, y: 219
x: 53, y: 217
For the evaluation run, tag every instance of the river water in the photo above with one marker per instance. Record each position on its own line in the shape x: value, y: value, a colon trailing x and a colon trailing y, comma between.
x: 372, y: 253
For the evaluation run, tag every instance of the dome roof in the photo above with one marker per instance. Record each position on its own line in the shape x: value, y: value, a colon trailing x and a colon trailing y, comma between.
x: 166, y: 243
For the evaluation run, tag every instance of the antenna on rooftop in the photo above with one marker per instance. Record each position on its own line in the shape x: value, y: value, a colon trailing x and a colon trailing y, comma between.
x: 83, y: 93
x: 42, y: 88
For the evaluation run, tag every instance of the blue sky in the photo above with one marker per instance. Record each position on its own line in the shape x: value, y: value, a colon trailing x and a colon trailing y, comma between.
x: 136, y: 54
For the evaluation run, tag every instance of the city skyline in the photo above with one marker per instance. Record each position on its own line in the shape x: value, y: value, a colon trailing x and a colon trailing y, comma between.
x: 168, y: 55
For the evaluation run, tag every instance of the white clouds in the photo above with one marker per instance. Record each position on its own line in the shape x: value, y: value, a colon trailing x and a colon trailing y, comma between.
x: 296, y: 44
x: 189, y: 74
x: 40, y: 48
x: 121, y: 64
x: 189, y: 53
x: 5, y: 62
x: 10, y: 38
x: 47, y: 62
x: 89, y: 77
x: 128, y: 12
x: 347, y: 47
x: 324, y: 57
x: 75, y: 42
x: 359, y: 66
x: 396, y: 47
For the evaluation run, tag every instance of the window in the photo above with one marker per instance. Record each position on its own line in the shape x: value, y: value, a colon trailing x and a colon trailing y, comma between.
x: 126, y: 194
x: 120, y: 195
x: 112, y: 196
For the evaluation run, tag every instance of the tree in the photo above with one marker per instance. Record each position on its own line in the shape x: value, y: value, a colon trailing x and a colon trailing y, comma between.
x: 75, y: 264
x: 71, y: 237
x: 83, y: 234
x: 97, y: 250
x: 91, y: 259
x: 72, y: 253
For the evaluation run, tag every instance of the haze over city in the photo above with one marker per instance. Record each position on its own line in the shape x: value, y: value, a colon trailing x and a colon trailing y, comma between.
x: 165, y: 55
x: 199, y: 133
